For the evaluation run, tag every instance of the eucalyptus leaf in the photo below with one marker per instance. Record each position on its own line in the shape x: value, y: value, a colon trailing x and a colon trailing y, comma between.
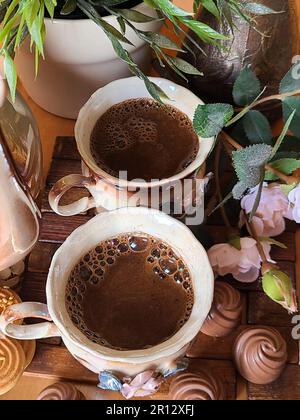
x: 210, y: 119
x: 257, y: 127
x: 246, y: 87
x: 249, y: 163
x: 239, y: 190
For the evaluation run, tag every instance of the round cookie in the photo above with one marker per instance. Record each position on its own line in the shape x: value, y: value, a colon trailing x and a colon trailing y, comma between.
x: 260, y: 355
x: 12, y: 364
x: 226, y: 311
x: 29, y: 348
x: 197, y: 385
x: 8, y: 298
x: 61, y: 391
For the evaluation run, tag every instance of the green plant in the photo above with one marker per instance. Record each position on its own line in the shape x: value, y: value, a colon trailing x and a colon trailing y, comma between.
x: 25, y: 18
x: 258, y: 158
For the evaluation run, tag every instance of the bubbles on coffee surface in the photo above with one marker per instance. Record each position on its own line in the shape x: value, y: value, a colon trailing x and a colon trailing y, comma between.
x: 145, y: 138
x: 95, y: 268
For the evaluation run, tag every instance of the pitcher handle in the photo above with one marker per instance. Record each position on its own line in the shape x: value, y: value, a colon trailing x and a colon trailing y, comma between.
x: 28, y: 332
x: 65, y: 184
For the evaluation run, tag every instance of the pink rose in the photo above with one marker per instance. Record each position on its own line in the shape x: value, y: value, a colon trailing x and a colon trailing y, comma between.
x: 244, y: 265
x: 294, y: 205
x: 269, y: 217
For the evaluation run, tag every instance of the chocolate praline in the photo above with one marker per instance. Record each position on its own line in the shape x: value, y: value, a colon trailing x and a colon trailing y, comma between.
x: 61, y: 392
x: 196, y: 385
x: 260, y: 355
x: 226, y: 311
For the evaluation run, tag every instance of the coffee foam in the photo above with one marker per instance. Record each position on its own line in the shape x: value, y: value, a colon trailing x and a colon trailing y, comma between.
x: 91, y: 269
x: 134, y: 130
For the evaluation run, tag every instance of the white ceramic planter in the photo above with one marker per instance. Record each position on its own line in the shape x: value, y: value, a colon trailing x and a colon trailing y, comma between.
x: 79, y: 59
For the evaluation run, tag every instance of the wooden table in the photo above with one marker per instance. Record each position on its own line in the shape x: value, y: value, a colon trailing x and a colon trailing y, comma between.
x: 32, y: 383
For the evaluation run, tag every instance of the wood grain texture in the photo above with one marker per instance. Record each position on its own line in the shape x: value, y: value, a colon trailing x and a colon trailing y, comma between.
x: 56, y: 229
x: 286, y: 388
x: 262, y: 310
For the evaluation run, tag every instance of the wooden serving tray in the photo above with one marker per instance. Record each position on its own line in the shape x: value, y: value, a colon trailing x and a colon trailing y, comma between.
x: 53, y: 360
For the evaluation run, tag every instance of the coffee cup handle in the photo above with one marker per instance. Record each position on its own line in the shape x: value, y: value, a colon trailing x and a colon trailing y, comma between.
x: 65, y: 184
x: 27, y: 332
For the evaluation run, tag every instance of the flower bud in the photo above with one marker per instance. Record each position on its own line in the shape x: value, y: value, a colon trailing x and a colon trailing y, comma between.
x: 278, y: 286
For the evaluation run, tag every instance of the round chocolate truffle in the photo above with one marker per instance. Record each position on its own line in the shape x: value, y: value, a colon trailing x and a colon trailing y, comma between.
x: 61, y: 391
x: 197, y: 385
x: 226, y: 311
x: 260, y: 355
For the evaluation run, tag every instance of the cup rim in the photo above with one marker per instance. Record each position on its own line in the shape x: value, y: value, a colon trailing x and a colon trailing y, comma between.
x: 171, y: 346
x: 130, y: 83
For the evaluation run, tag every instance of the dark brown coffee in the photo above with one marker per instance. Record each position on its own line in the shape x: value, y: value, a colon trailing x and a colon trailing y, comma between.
x: 130, y: 292
x: 145, y: 138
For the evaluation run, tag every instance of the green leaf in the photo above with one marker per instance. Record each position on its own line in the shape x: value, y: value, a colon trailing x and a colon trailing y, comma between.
x: 184, y: 66
x: 223, y: 202
x: 160, y: 40
x: 273, y: 241
x: 170, y: 9
x: 257, y: 198
x: 260, y: 9
x: 10, y: 74
x: 286, y: 166
x: 246, y: 88
x: 286, y: 189
x: 122, y: 24
x: 249, y: 163
x: 239, y: 190
x: 92, y: 13
x: 135, y: 16
x: 31, y: 12
x: 210, y: 119
x: 211, y: 7
x: 289, y: 105
x: 257, y: 127
x: 69, y: 7
x: 282, y: 135
x: 155, y: 91
x: 291, y: 81
x: 235, y: 241
x: 203, y: 31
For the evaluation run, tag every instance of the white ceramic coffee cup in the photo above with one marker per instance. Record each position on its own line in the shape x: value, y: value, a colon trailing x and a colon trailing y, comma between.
x: 107, y: 191
x: 96, y: 357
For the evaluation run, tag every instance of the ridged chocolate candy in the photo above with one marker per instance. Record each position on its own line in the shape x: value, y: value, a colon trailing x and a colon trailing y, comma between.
x: 61, y: 391
x: 226, y: 312
x: 260, y: 355
x: 12, y: 364
x: 197, y: 385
